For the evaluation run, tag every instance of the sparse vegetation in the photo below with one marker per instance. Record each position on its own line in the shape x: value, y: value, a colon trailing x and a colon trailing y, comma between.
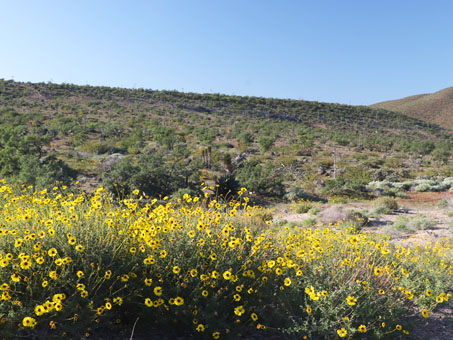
x: 266, y: 144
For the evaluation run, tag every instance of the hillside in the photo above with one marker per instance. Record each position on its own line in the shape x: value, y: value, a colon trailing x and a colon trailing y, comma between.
x: 166, y: 141
x: 435, y: 107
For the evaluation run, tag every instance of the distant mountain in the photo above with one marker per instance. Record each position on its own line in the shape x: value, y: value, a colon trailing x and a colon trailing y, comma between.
x: 435, y: 107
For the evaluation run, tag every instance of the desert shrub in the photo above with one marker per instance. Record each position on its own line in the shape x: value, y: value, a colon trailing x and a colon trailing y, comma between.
x: 44, y: 172
x: 301, y: 206
x: 442, y: 203
x: 424, y: 185
x: 101, y: 147
x: 418, y: 185
x: 385, y: 203
x: 265, y: 143
x: 345, y: 187
x: 24, y: 157
x: 314, y: 211
x: 336, y: 199
x: 227, y: 186
x: 150, y: 174
x: 261, y: 179
x: 448, y: 181
x: 309, y: 222
x: 340, y: 216
x: 412, y: 224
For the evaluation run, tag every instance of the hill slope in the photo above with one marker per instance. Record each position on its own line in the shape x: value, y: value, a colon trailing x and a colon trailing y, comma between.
x: 173, y: 140
x: 435, y: 107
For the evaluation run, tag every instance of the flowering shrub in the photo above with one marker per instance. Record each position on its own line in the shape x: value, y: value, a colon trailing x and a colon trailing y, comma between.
x: 72, y: 265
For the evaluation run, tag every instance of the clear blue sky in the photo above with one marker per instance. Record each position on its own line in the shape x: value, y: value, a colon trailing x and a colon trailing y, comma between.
x: 345, y: 51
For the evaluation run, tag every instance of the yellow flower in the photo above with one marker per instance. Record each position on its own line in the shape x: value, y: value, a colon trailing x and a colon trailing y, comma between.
x: 227, y: 275
x: 309, y: 310
x: 118, y: 300
x: 29, y: 322
x: 377, y: 271
x: 158, y: 291
x: 254, y: 317
x: 342, y: 333
x: 39, y: 310
x: 15, y: 277
x: 216, y: 335
x: 79, y: 248
x: 381, y: 291
x: 351, y: 300
x: 399, y: 327
x: 26, y: 264
x: 204, y: 293
x: 179, y: 301
x: 362, y: 329
x: 287, y: 281
x: 200, y: 328
x: 148, y: 302
x: 80, y: 274
x: 176, y: 270
x: 429, y: 292
x: 52, y: 252
x: 239, y: 310
x: 425, y: 313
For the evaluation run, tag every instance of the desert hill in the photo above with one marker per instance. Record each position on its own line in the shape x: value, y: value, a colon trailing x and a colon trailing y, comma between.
x: 167, y: 141
x: 435, y: 107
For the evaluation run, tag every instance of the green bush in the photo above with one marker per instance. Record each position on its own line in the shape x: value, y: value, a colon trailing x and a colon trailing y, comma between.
x: 303, y: 207
x: 150, y: 174
x: 314, y: 211
x: 385, y: 204
x: 261, y: 179
x: 413, y: 224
